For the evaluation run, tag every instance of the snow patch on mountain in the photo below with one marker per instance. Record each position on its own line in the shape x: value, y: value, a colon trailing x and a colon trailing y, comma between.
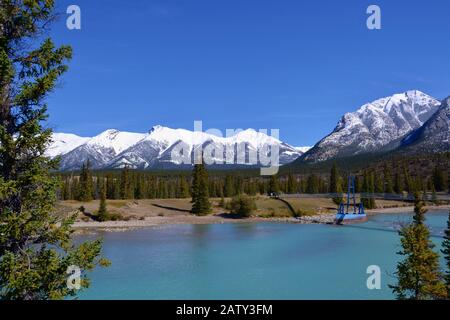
x: 63, y: 143
x: 116, y: 149
x: 375, y: 125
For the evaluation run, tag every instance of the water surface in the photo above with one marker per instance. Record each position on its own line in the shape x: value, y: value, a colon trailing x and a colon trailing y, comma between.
x: 253, y: 261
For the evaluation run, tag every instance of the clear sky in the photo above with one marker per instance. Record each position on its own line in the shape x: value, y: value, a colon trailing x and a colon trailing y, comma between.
x: 296, y: 65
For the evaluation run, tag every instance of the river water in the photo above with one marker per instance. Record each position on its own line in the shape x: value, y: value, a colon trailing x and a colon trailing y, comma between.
x: 253, y: 260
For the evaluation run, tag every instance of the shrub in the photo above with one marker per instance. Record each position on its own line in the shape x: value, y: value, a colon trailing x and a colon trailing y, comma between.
x: 242, y: 205
x: 108, y: 216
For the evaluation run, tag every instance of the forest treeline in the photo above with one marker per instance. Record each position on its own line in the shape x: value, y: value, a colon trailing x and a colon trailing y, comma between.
x: 389, y: 177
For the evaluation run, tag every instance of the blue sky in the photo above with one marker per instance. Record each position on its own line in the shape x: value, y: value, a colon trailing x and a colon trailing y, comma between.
x: 288, y: 64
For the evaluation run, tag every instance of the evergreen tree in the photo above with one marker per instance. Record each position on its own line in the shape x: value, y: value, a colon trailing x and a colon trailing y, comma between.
x: 183, y: 188
x: 312, y: 184
x: 199, y: 190
x: 388, y: 187
x: 274, y: 185
x: 291, y: 184
x: 439, y: 179
x: 126, y: 190
x: 35, y: 244
x: 335, y: 184
x: 102, y: 210
x: 408, y: 181
x: 418, y: 275
x: 398, y: 185
x: 85, y: 188
x: 229, y: 186
x: 446, y: 252
x: 369, y: 188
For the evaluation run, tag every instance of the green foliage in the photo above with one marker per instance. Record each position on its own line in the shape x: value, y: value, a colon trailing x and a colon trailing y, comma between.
x: 446, y: 252
x: 274, y: 185
x: 418, y: 275
x: 313, y: 185
x: 368, y: 187
x: 336, y: 184
x: 102, y: 210
x: 86, y: 185
x: 388, y: 186
x: 126, y: 191
x: 398, y: 185
x: 242, y: 205
x: 35, y: 244
x: 199, y: 190
x: 439, y: 179
x: 292, y: 184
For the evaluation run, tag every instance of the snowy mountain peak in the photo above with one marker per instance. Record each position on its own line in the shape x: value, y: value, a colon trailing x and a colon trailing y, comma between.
x: 116, y: 140
x: 375, y: 125
x: 116, y: 149
x: 63, y: 143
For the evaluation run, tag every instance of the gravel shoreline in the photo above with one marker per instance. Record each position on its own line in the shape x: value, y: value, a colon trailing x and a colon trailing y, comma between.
x: 218, y: 219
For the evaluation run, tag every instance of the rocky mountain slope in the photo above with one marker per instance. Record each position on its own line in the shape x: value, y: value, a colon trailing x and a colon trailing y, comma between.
x: 113, y: 149
x: 375, y: 126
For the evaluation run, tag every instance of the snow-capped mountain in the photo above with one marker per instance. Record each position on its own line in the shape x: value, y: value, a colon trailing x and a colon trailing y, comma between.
x: 63, y: 143
x: 100, y: 149
x: 303, y: 149
x: 114, y: 149
x: 375, y: 126
x: 433, y: 136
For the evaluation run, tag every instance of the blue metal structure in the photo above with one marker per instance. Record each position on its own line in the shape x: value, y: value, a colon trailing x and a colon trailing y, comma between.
x: 344, y: 215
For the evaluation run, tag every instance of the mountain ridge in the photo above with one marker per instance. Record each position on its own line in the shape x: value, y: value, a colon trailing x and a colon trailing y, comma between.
x: 113, y: 149
x: 375, y: 126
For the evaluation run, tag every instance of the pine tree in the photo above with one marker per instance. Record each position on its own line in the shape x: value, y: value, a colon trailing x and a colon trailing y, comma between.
x: 126, y: 190
x: 274, y: 185
x: 335, y: 184
x: 85, y: 188
x: 199, y: 190
x: 312, y: 184
x: 439, y: 179
x: 388, y: 187
x: 408, y: 181
x: 102, y: 210
x: 229, y: 187
x: 418, y: 275
x: 446, y: 252
x: 35, y: 244
x: 291, y: 184
x: 368, y: 187
x: 398, y: 185
x: 183, y: 188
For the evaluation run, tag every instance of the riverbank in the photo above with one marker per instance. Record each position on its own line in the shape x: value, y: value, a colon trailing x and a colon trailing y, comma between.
x: 175, y: 214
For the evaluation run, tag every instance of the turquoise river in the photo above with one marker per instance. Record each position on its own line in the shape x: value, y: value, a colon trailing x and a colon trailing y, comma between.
x: 253, y: 260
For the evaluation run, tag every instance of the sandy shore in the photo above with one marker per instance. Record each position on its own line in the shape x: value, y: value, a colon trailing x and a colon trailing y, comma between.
x: 177, y: 220
x: 219, y: 219
x: 405, y: 209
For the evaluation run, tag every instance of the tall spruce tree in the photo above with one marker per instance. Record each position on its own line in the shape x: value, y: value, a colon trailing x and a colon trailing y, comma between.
x: 446, y: 252
x: 439, y: 179
x: 369, y: 188
x: 35, y: 243
x: 291, y: 184
x: 336, y: 184
x: 85, y: 188
x: 418, y: 275
x: 199, y: 190
x: 102, y: 210
x: 388, y: 186
x: 274, y: 185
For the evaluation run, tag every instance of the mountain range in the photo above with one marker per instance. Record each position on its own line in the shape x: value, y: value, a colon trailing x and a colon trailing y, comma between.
x: 409, y: 122
x: 113, y: 149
